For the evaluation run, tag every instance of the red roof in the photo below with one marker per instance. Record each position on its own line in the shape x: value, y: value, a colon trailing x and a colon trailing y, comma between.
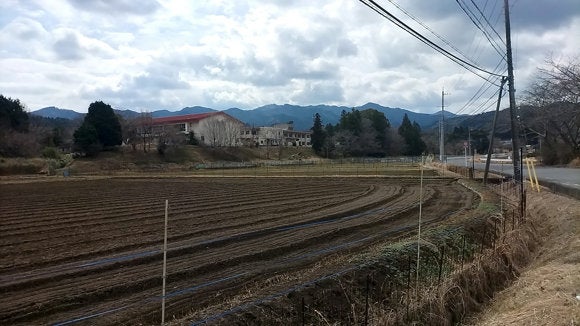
x: 184, y: 118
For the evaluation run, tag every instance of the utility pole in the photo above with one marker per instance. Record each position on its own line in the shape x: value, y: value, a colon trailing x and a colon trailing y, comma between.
x: 441, y: 127
x: 492, y: 136
x: 512, y: 96
x: 469, y: 140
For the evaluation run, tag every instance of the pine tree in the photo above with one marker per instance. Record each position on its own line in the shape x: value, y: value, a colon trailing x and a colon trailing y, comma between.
x: 318, y: 135
x: 411, y: 133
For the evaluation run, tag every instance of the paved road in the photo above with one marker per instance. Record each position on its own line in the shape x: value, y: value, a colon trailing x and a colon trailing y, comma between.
x: 566, y: 176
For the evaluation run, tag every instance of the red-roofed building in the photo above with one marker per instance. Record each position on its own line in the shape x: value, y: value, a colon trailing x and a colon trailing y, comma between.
x: 212, y: 128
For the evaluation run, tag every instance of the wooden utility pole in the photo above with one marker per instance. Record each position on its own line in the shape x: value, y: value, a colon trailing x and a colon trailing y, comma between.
x: 491, y: 137
x: 512, y: 96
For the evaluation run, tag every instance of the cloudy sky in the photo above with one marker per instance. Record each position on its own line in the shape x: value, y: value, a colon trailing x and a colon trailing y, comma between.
x: 166, y: 54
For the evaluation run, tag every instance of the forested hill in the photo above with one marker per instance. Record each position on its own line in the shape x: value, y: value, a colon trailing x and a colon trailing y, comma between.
x: 274, y: 113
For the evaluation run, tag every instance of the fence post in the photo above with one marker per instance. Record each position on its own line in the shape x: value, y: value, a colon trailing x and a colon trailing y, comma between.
x: 483, y: 236
x: 513, y: 219
x: 463, y: 252
x: 440, y: 265
x: 367, y: 302
x: 494, y: 231
x: 303, y: 312
x: 408, y: 284
x: 503, y: 222
x: 164, y: 264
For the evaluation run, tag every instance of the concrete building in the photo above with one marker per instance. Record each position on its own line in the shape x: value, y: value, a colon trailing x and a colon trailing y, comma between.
x: 275, y: 135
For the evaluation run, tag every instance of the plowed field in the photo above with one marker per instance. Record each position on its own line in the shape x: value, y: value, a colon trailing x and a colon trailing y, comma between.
x: 91, y: 251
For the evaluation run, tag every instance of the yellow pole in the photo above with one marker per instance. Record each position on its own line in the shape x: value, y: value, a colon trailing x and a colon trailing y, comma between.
x: 535, y: 176
x: 529, y: 173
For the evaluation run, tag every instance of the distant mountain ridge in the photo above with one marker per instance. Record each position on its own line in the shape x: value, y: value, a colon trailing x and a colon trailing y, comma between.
x: 303, y: 116
x: 54, y: 112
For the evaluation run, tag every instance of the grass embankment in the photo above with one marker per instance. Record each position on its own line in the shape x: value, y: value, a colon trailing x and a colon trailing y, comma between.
x: 547, y: 291
x: 126, y: 161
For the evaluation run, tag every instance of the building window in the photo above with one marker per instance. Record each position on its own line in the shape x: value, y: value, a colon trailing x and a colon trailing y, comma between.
x: 181, y: 126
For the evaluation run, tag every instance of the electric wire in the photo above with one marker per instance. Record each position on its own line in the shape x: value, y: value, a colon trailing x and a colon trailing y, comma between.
x: 432, y: 31
x: 478, y: 24
x: 479, y: 93
x: 467, y: 65
x: 487, y: 21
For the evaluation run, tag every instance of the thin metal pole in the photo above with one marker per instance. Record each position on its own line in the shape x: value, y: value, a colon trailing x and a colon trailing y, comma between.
x: 419, y: 228
x: 164, y: 264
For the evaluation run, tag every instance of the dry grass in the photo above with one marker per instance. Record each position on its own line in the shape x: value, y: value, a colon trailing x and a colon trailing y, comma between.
x: 575, y: 163
x: 545, y: 293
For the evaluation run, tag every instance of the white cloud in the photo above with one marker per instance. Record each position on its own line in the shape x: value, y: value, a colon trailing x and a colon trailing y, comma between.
x: 220, y: 54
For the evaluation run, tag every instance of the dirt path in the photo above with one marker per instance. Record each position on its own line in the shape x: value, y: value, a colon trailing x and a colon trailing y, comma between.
x: 91, y: 251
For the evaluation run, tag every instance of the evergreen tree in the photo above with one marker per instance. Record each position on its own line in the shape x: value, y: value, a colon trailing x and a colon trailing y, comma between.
x: 411, y: 133
x: 318, y: 135
x: 381, y: 126
x: 12, y: 115
x: 86, y: 140
x: 103, y: 118
x: 101, y: 128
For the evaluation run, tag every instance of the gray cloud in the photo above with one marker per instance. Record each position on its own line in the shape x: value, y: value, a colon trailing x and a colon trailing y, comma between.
x: 346, y: 48
x: 117, y: 7
x: 68, y: 47
x: 319, y: 93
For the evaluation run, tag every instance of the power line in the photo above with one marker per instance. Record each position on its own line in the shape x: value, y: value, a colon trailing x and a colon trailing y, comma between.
x: 478, y: 24
x: 479, y: 93
x: 487, y: 21
x: 469, y: 66
x: 432, y: 31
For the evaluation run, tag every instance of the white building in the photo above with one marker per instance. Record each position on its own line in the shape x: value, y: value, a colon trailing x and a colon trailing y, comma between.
x: 212, y: 129
x: 275, y: 135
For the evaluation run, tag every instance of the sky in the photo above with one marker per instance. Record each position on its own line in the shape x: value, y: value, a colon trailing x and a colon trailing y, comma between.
x: 148, y: 55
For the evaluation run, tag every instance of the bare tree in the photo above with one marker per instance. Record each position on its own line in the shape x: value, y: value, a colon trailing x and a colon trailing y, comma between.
x: 144, y: 124
x: 213, y: 131
x: 231, y: 133
x: 554, y: 115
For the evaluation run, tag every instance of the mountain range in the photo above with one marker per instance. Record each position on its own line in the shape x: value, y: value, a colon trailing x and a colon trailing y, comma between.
x: 302, y: 116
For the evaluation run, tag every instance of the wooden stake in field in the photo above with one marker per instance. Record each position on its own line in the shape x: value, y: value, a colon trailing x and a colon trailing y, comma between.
x: 419, y: 227
x: 164, y: 265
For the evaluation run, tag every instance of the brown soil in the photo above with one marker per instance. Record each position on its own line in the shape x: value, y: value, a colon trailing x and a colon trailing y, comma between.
x: 91, y: 250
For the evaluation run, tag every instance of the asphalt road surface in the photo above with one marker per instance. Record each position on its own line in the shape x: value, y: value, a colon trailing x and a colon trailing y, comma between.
x: 566, y: 176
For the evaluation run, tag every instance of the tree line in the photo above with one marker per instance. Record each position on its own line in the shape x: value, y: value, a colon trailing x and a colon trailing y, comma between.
x: 366, y: 133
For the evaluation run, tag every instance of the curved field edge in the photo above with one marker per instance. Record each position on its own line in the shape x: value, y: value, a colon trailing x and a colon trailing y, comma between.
x: 464, y: 261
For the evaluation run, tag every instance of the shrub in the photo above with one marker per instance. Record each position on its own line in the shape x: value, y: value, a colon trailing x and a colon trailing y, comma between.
x: 50, y: 152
